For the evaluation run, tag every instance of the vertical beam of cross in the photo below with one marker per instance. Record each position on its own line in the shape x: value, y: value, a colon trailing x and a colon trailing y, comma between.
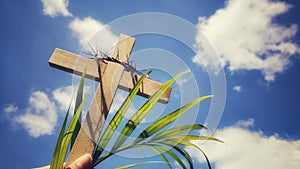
x: 100, y: 106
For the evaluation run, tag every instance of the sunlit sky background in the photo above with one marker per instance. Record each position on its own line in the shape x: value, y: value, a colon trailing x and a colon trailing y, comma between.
x: 257, y: 41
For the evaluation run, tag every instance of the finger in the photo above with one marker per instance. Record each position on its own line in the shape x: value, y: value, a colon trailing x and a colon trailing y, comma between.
x: 84, y: 162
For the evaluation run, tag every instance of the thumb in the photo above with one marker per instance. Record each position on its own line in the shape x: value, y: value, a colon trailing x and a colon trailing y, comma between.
x: 84, y: 162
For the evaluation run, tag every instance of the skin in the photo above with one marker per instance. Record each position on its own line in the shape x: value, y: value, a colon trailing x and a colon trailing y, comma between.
x: 84, y: 162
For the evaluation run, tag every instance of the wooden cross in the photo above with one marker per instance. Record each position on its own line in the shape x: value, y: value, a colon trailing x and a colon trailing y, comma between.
x: 112, y: 75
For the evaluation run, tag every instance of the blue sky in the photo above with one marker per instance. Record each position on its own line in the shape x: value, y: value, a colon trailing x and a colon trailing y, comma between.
x: 246, y: 53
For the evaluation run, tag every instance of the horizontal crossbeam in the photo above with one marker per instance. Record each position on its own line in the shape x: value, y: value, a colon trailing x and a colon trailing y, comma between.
x: 76, y: 64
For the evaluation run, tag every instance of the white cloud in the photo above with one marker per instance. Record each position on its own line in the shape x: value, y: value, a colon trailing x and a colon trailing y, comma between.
x: 87, y: 28
x: 63, y: 96
x: 246, y: 38
x: 237, y: 88
x: 181, y: 81
x: 40, y: 117
x: 248, y: 149
x: 55, y: 8
x: 246, y: 124
x: 10, y: 108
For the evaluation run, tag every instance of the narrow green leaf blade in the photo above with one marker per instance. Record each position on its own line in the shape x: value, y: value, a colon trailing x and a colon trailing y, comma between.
x: 157, y: 150
x: 161, y: 123
x: 77, y: 104
x: 193, y: 145
x: 179, y: 149
x: 173, y: 141
x: 67, y: 138
x: 115, y: 121
x: 56, y: 155
x: 173, y: 155
x: 129, y: 166
x: 185, y: 154
x: 142, y: 112
x: 192, y: 137
x: 177, y: 130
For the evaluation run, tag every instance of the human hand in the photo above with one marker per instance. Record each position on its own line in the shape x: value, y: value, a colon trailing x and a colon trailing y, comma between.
x: 84, y: 162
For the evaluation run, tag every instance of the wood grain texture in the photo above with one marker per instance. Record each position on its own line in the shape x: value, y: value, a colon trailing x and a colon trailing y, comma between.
x: 73, y: 63
x: 97, y: 113
x: 109, y: 77
x: 124, y: 48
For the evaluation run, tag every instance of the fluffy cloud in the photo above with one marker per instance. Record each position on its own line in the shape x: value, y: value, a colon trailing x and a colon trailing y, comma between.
x: 55, y: 8
x: 10, y: 108
x: 87, y: 28
x: 248, y: 149
x: 246, y: 38
x: 181, y: 81
x: 246, y: 124
x: 40, y: 117
x: 63, y: 96
x: 237, y: 88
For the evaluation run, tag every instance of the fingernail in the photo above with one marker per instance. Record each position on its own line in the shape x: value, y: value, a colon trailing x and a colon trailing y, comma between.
x: 83, y: 161
x: 84, y: 158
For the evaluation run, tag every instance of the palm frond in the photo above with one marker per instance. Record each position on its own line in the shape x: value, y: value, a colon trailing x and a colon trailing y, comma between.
x: 64, y: 139
x: 177, y: 130
x: 79, y: 97
x: 115, y: 121
x: 57, y: 153
x: 141, y: 113
x: 159, y: 152
x: 187, y: 137
x: 168, y: 143
x: 193, y: 145
x: 68, y: 135
x: 171, y: 153
x: 164, y: 121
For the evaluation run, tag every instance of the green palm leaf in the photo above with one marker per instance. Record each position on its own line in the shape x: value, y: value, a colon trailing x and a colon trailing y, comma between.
x: 189, y: 137
x: 141, y: 113
x: 56, y: 155
x: 171, y: 153
x: 79, y: 97
x: 177, y: 130
x: 174, y: 141
x: 157, y: 150
x: 186, y: 155
x: 179, y: 149
x: 115, y: 121
x: 193, y: 145
x: 160, y: 141
x: 164, y: 121
x: 64, y: 140
x: 68, y: 135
